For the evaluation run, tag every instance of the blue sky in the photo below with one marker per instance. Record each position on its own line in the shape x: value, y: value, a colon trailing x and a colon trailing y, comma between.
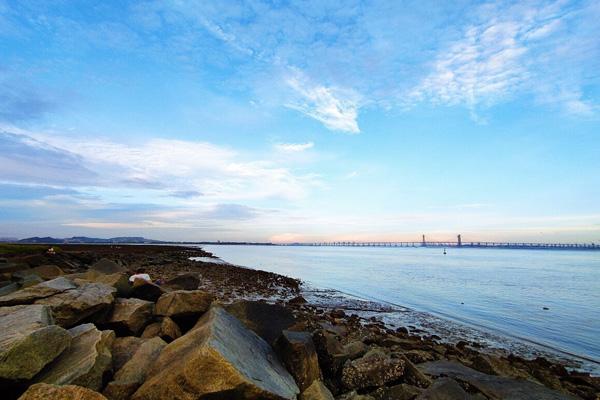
x: 295, y: 120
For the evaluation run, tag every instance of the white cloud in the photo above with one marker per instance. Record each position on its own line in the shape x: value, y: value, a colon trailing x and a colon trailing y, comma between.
x: 160, y: 167
x: 337, y: 109
x: 294, y: 147
x: 513, y: 50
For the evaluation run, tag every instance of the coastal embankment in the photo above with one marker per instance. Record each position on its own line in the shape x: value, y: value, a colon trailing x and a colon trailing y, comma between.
x: 73, y: 326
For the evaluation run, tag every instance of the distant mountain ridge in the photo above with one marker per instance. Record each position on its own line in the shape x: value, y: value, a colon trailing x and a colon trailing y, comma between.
x: 88, y: 240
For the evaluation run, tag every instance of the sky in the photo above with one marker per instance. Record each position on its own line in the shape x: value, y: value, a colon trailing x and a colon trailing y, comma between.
x: 300, y: 120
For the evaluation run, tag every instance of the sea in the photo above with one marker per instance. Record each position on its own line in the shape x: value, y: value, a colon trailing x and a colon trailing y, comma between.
x: 536, y: 301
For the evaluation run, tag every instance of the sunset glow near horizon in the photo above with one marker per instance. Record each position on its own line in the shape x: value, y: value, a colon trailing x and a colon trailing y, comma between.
x: 301, y: 121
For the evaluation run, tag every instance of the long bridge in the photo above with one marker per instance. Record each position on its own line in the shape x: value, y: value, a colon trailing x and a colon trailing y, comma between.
x: 458, y: 243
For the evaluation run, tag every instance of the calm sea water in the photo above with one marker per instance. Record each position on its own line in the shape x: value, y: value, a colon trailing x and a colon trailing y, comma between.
x: 501, y: 290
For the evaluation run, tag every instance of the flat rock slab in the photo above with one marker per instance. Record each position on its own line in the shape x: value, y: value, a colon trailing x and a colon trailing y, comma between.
x: 444, y: 389
x: 118, y: 280
x: 130, y: 316
x: 218, y: 358
x: 71, y: 302
x: 85, y: 362
x: 493, y: 386
x: 76, y: 305
x: 37, y: 292
x: 43, y: 391
x: 266, y: 320
x: 28, y: 340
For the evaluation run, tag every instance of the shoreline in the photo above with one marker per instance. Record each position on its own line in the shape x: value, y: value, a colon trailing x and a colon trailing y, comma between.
x: 345, y: 330
x: 453, y: 329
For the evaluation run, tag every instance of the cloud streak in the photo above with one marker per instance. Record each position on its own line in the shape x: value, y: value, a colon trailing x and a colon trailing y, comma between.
x: 512, y: 50
x: 337, y: 109
x: 294, y: 147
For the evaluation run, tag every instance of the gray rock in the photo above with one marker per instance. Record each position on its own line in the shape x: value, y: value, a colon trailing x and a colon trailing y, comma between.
x: 8, y: 289
x: 30, y: 280
x: 297, y: 351
x: 133, y: 373
x: 119, y: 281
x: 444, y: 389
x: 85, y: 362
x: 28, y: 340
x: 88, y: 301
x: 492, y: 386
x: 130, y: 316
x: 107, y: 266
x: 37, y: 292
x: 218, y: 357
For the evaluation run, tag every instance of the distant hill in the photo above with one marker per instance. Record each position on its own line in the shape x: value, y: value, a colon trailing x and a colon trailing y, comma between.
x: 88, y: 240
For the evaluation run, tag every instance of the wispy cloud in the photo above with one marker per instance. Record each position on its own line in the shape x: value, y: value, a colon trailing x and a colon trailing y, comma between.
x: 178, y: 168
x: 337, y: 109
x: 294, y: 147
x: 510, y: 51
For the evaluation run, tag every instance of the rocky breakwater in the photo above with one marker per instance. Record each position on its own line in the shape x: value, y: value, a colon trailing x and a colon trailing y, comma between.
x: 79, y: 330
x: 82, y: 335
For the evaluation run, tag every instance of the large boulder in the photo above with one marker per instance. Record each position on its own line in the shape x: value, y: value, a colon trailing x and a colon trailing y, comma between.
x: 86, y: 362
x: 71, y: 302
x: 89, y: 301
x: 376, y: 368
x: 117, y: 280
x: 330, y: 352
x: 266, y: 320
x: 187, y: 281
x: 28, y: 340
x: 107, y: 266
x: 133, y: 373
x: 166, y: 329
x: 43, y: 391
x: 184, y: 303
x: 40, y: 291
x: 316, y: 391
x: 130, y: 316
x: 145, y: 290
x: 297, y: 351
x: 218, y: 357
x: 48, y: 271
